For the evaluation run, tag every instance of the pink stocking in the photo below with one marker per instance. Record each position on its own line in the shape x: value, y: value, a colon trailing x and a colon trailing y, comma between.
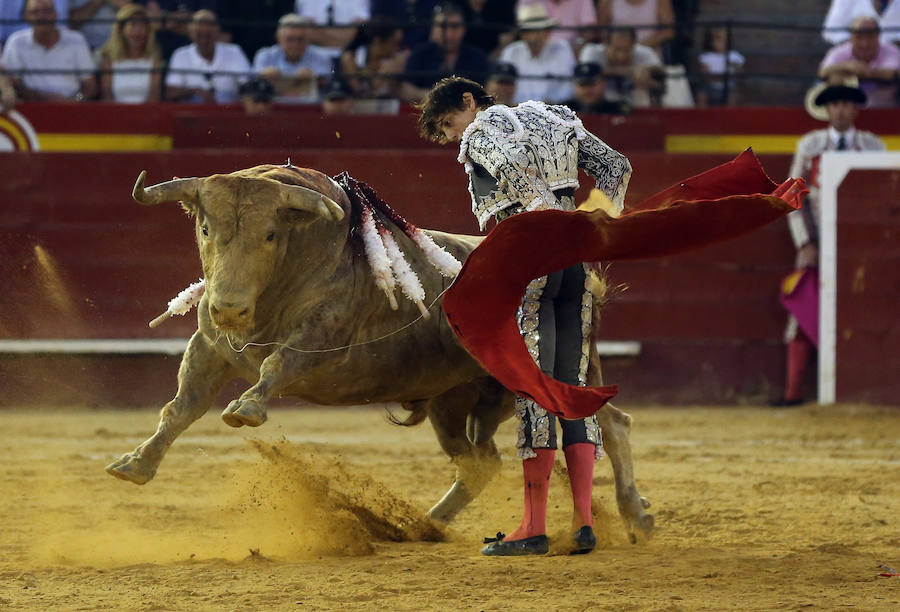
x: 537, y: 483
x: 580, y: 463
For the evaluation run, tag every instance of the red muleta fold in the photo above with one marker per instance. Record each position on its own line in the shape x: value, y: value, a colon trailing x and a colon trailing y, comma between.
x: 722, y: 203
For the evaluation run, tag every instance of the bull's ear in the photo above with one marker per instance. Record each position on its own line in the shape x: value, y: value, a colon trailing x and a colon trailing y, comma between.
x: 184, y: 190
x: 308, y: 200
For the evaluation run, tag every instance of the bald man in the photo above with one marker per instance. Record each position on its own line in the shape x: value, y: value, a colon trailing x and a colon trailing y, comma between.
x: 48, y: 61
x: 874, y: 63
x: 206, y: 71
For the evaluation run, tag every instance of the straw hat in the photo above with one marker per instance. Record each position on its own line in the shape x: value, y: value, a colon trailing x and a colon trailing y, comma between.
x: 533, y: 17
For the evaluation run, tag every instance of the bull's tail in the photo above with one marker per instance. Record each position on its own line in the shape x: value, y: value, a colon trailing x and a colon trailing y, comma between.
x: 418, y: 412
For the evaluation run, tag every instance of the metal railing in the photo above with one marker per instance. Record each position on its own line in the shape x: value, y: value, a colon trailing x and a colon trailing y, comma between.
x: 785, y: 67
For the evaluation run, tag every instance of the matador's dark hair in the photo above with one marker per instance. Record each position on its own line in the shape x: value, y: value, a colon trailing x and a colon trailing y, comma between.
x: 446, y: 97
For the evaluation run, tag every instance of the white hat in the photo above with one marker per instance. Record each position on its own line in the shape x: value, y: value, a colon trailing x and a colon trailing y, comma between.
x: 533, y: 17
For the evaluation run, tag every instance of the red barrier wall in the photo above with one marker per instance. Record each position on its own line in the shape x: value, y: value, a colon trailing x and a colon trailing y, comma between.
x: 83, y: 260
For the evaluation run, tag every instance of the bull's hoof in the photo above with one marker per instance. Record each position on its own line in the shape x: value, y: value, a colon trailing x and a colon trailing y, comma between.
x: 242, y: 412
x: 632, y: 508
x: 642, y: 527
x: 131, y: 468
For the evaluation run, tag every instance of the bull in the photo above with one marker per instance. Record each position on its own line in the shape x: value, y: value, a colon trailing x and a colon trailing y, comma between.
x: 283, y: 269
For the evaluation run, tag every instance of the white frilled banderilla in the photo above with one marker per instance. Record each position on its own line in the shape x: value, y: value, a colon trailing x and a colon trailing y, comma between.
x: 389, y: 266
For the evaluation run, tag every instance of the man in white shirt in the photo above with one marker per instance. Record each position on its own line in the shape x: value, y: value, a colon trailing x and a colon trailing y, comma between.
x: 841, y: 104
x: 12, y: 13
x: 344, y: 16
x: 634, y: 73
x: 206, y: 71
x: 49, y: 62
x: 544, y: 64
x: 293, y: 66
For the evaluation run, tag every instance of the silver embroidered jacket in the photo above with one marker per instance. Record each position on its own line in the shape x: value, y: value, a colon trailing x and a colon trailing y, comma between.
x: 517, y: 157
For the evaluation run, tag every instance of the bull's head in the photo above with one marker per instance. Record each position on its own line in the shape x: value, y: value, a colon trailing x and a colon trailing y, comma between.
x: 243, y: 224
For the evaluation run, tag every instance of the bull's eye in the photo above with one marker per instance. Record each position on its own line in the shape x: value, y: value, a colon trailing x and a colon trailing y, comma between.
x: 270, y: 237
x: 204, y: 230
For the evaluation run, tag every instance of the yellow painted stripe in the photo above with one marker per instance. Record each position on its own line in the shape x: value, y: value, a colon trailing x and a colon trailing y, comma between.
x: 735, y: 143
x: 104, y: 142
x: 731, y: 143
x: 15, y: 132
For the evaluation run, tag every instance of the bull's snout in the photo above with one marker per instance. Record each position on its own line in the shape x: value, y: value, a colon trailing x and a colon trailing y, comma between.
x: 229, y: 315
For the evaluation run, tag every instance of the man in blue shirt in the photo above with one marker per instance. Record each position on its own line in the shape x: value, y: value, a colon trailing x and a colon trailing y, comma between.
x: 293, y: 66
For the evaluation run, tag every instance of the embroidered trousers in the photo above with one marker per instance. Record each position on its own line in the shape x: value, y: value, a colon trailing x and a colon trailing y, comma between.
x: 555, y: 321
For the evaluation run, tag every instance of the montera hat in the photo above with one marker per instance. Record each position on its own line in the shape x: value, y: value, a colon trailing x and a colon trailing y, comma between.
x: 533, y: 17
x: 820, y: 95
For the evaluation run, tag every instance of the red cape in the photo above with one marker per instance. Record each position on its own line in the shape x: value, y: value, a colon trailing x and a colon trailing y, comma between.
x: 722, y: 203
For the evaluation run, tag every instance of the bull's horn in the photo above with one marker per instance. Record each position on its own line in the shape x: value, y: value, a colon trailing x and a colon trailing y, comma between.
x: 185, y: 189
x: 302, y: 198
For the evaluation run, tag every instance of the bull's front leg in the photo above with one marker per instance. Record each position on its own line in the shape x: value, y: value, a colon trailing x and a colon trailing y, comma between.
x: 251, y: 407
x: 200, y: 377
x: 616, y: 427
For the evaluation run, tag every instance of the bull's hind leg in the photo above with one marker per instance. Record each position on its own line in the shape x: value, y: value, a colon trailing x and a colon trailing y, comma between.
x: 465, y: 420
x: 616, y: 427
x: 201, y: 375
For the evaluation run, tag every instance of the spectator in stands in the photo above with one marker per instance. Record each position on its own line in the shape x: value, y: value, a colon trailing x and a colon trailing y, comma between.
x: 130, y: 63
x: 94, y: 19
x: 544, y: 64
x: 874, y: 63
x: 501, y: 83
x: 293, y: 66
x: 256, y: 96
x: 448, y: 55
x: 657, y: 17
x: 590, y: 92
x: 841, y: 104
x: 576, y: 20
x: 253, y: 23
x: 717, y: 63
x: 842, y: 13
x: 414, y: 16
x: 634, y: 73
x: 173, y: 31
x: 338, y: 99
x: 12, y: 16
x: 207, y: 70
x: 45, y: 46
x: 342, y: 17
x: 490, y: 24
x: 373, y: 61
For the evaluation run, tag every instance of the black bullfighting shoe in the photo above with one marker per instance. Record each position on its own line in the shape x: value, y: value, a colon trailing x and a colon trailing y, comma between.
x: 584, y: 541
x: 497, y: 547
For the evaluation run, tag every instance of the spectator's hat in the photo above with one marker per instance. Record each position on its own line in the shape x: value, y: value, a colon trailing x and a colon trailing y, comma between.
x: 533, y: 17
x: 586, y: 73
x: 260, y: 90
x: 336, y: 90
x: 820, y: 95
x: 504, y: 72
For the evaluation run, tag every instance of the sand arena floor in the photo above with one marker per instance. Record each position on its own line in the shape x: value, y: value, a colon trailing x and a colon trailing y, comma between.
x: 756, y: 510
